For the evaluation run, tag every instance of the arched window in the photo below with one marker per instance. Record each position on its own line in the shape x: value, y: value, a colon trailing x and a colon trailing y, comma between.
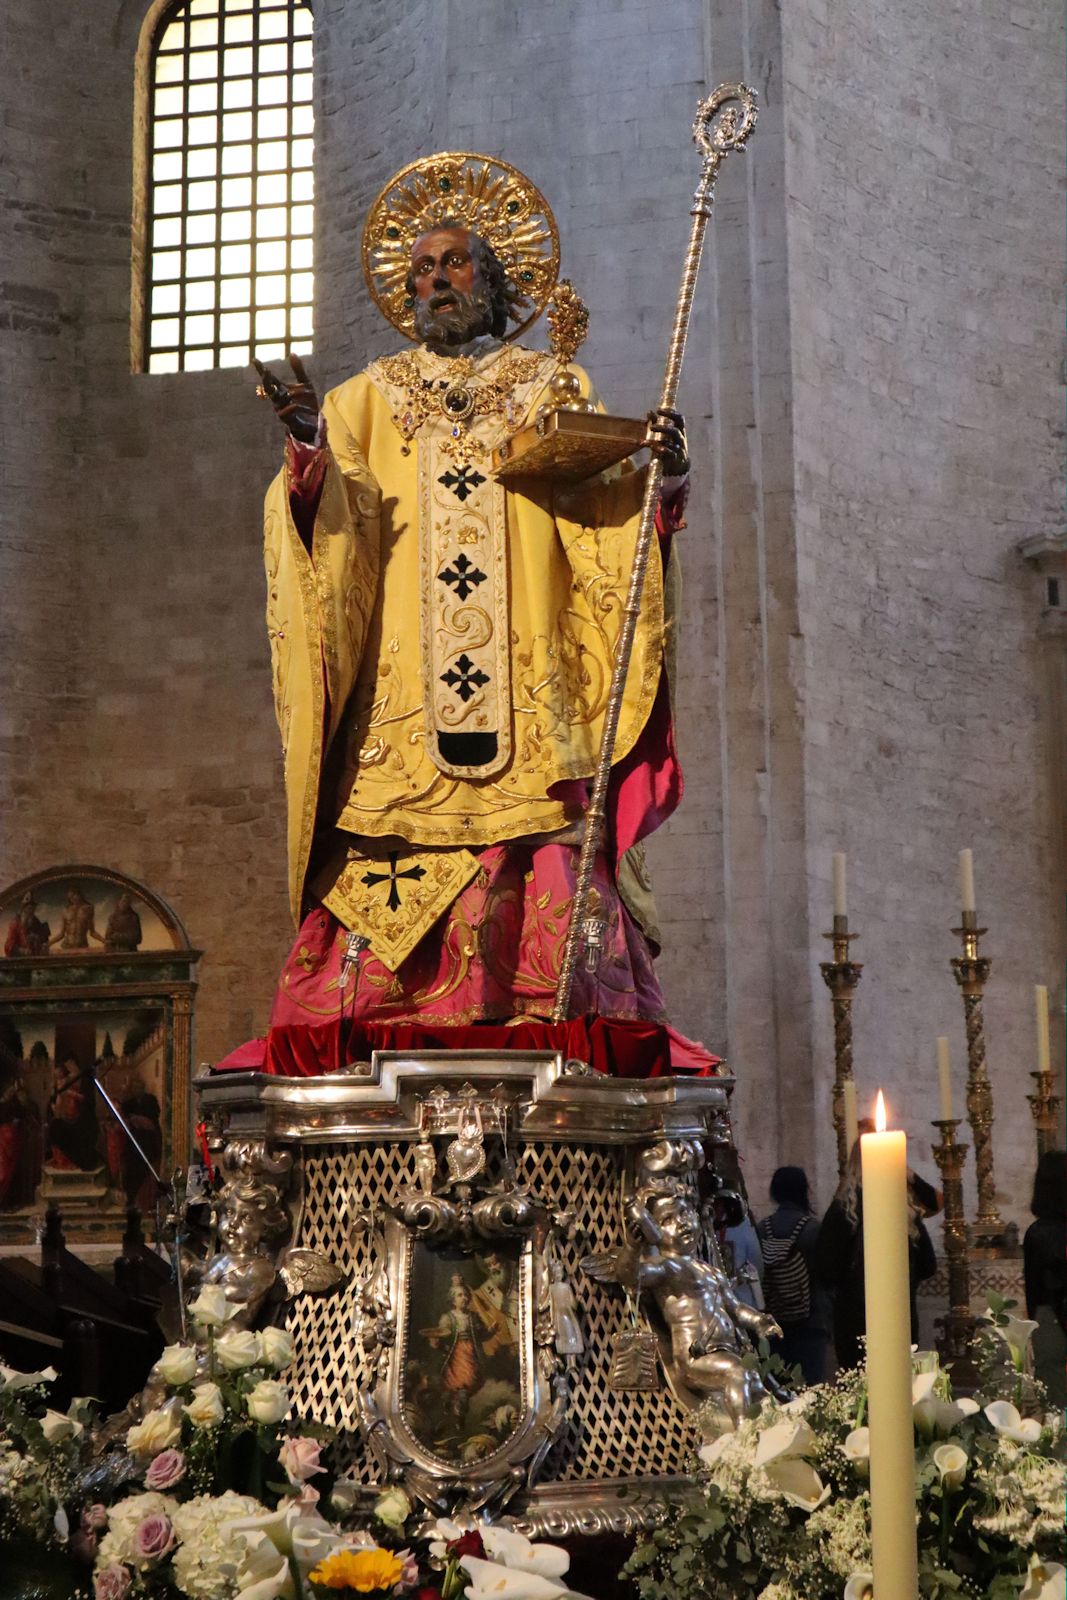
x: 230, y: 184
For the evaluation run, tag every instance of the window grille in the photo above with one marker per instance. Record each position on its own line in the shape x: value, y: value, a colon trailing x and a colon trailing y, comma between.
x: 230, y: 185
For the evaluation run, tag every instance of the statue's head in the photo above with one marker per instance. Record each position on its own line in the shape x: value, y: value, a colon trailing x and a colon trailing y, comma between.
x: 459, y: 286
x: 679, y: 1222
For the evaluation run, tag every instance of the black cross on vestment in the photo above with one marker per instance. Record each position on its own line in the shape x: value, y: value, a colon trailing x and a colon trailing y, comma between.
x: 463, y: 576
x: 467, y: 680
x: 390, y: 877
x: 462, y: 483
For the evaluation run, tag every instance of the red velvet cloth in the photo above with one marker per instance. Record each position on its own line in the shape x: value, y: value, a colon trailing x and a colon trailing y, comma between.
x: 619, y: 1048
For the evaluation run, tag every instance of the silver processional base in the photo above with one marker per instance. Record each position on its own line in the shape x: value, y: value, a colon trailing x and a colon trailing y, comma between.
x: 420, y: 1224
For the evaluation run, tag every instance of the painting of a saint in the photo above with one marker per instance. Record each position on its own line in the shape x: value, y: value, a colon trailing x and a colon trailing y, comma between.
x: 27, y: 934
x: 462, y: 1375
x: 72, y: 1131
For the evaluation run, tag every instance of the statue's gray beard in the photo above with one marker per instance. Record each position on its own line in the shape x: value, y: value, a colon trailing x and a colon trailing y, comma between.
x: 471, y: 315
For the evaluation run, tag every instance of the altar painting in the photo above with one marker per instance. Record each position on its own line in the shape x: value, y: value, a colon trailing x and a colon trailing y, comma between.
x: 70, y: 912
x: 462, y: 1386
x: 59, y: 1139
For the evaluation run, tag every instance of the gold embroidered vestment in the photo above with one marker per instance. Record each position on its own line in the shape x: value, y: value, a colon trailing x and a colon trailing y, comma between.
x: 436, y: 606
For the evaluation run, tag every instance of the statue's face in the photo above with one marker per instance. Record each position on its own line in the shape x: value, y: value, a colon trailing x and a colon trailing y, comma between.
x: 442, y: 268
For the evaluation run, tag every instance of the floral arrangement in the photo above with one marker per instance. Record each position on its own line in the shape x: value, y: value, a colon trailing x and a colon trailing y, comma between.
x: 782, y: 1506
x: 214, y: 1494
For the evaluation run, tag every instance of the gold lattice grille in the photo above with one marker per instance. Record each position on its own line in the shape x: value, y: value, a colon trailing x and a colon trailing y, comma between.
x: 607, y: 1434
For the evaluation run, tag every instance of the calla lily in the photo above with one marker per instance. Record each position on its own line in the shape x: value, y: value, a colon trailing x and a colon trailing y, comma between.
x: 951, y: 1463
x: 26, y: 1380
x: 857, y: 1448
x: 860, y: 1586
x: 488, y: 1581
x: 969, y: 1407
x: 1010, y: 1425
x: 923, y: 1385
x: 797, y: 1482
x: 713, y: 1452
x: 783, y: 1442
x: 1045, y: 1580
x: 57, y: 1427
x: 264, y: 1573
x: 516, y: 1551
x: 1016, y: 1333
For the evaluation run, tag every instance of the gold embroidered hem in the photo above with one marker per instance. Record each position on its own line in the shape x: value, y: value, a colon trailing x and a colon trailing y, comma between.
x: 393, y: 897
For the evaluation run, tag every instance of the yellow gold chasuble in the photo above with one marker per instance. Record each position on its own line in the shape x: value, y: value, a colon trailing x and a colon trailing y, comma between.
x: 390, y: 644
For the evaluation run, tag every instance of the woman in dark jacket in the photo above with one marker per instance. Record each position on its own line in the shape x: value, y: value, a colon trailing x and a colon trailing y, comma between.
x: 786, y: 1237
x: 838, y: 1255
x: 1045, y: 1273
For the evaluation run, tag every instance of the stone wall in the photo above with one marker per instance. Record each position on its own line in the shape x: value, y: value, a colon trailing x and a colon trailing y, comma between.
x: 869, y: 390
x: 926, y: 302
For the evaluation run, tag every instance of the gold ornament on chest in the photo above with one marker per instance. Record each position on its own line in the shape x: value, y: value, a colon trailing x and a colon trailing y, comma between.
x: 460, y: 395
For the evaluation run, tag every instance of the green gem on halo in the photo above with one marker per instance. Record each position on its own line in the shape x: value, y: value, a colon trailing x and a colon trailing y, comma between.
x: 444, y: 183
x: 527, y: 276
x: 511, y: 207
x: 409, y: 301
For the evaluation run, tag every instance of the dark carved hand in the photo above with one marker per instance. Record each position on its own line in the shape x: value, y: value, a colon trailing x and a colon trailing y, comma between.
x: 666, y: 436
x: 296, y: 404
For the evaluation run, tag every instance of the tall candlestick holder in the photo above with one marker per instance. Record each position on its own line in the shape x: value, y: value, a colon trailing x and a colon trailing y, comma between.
x: 841, y: 975
x: 989, y: 1235
x: 957, y: 1326
x: 1045, y: 1107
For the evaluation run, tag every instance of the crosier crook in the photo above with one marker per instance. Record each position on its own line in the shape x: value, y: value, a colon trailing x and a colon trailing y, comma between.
x: 723, y: 123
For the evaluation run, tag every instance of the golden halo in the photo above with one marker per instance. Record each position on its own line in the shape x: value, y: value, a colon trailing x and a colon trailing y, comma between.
x: 488, y: 195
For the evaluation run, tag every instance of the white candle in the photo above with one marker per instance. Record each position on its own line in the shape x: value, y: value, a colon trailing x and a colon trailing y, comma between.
x: 851, y: 1115
x: 1041, y: 1008
x: 840, y: 897
x: 885, y: 1250
x: 944, y: 1078
x: 967, y: 900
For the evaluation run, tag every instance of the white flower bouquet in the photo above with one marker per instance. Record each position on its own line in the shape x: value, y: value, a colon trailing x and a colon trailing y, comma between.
x: 782, y: 1510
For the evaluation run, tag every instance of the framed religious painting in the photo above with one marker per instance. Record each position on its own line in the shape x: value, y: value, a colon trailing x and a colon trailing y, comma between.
x: 97, y: 979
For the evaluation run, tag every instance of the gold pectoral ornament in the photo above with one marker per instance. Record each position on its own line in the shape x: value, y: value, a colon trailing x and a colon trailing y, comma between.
x: 392, y: 897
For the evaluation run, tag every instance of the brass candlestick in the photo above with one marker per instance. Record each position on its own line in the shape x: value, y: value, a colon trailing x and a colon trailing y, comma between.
x: 1045, y: 1107
x: 841, y: 976
x: 988, y: 1233
x: 957, y: 1326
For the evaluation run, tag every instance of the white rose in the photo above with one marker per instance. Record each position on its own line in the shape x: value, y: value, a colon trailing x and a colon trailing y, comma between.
x: 393, y: 1508
x: 268, y: 1401
x: 951, y: 1464
x: 1010, y: 1425
x: 177, y: 1364
x: 857, y: 1448
x: 239, y: 1348
x: 205, y: 1409
x: 159, y: 1430
x: 57, y: 1427
x: 211, y: 1307
x: 277, y: 1347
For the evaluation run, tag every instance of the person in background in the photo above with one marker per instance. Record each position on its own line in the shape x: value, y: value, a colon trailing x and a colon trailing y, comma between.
x: 838, y: 1256
x: 743, y: 1260
x: 794, y: 1295
x: 1045, y: 1273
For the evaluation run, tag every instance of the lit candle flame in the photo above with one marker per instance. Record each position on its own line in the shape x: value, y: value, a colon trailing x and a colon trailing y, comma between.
x: 879, y: 1113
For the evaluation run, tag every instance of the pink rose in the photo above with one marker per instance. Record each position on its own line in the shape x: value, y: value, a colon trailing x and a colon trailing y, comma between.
x: 94, y: 1518
x: 165, y: 1470
x: 300, y: 1459
x: 409, y: 1575
x: 83, y: 1545
x: 153, y: 1540
x: 112, y: 1583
